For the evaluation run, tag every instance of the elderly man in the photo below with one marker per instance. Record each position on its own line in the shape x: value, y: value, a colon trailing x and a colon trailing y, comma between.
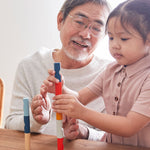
x: 81, y: 24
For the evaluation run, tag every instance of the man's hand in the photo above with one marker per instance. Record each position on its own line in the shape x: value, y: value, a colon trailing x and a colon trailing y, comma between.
x: 40, y: 108
x: 74, y: 130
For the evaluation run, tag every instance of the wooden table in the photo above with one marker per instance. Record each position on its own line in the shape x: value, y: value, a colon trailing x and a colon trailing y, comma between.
x: 14, y: 140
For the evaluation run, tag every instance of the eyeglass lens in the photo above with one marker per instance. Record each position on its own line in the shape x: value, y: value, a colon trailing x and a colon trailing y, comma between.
x: 81, y: 23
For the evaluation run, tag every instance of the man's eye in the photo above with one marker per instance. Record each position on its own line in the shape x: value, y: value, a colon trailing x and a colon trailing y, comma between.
x: 79, y: 22
x: 96, y: 29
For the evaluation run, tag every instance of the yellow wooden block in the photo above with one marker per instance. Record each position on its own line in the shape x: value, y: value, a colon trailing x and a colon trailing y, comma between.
x: 58, y: 116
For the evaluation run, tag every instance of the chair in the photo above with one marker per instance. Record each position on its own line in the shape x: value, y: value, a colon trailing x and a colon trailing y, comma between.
x: 1, y: 99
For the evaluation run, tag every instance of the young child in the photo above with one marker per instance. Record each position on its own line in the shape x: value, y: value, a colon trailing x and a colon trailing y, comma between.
x: 124, y: 85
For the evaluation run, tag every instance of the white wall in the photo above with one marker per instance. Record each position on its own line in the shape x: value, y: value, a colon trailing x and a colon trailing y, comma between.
x: 25, y: 26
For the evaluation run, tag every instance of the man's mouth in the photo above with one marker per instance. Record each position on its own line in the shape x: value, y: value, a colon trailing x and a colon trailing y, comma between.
x: 79, y: 44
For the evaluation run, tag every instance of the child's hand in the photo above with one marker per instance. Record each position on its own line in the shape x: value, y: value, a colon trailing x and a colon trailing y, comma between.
x: 68, y: 105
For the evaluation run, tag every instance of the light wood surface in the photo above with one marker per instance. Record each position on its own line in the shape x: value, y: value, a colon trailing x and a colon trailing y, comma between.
x: 14, y: 140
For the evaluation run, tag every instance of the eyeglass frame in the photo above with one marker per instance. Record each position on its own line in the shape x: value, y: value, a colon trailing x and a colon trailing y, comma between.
x: 88, y: 24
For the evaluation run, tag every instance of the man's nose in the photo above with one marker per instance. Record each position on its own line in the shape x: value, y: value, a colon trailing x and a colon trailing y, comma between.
x: 85, y: 33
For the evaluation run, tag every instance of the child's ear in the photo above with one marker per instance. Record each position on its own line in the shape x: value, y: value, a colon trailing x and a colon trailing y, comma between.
x: 59, y: 20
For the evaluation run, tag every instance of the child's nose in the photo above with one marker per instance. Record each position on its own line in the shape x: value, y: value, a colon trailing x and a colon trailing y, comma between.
x: 115, y: 44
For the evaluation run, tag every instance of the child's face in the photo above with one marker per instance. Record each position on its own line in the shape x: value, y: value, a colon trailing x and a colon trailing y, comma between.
x: 126, y: 48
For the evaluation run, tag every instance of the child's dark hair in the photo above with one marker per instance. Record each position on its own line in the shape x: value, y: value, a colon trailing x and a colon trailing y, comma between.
x: 134, y: 13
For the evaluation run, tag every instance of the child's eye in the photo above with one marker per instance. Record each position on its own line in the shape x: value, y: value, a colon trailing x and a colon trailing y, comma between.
x: 124, y: 39
x: 111, y: 38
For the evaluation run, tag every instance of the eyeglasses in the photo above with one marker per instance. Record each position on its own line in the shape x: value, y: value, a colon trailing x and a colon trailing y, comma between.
x: 80, y: 23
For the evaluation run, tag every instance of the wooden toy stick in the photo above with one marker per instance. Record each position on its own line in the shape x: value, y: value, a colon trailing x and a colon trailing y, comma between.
x: 27, y: 123
x: 27, y: 141
x: 58, y: 90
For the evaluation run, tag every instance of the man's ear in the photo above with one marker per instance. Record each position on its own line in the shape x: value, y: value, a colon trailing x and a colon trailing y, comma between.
x: 59, y: 20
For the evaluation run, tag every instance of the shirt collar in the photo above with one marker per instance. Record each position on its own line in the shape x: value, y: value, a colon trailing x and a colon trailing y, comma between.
x: 140, y: 65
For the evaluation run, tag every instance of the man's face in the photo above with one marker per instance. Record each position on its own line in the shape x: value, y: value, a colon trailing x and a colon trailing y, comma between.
x: 82, y: 29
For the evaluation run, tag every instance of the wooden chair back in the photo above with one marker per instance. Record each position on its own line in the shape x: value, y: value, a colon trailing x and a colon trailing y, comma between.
x: 1, y: 99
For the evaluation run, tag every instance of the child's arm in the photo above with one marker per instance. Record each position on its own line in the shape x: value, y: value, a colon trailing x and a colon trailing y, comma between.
x: 85, y: 95
x: 119, y: 125
x: 49, y: 86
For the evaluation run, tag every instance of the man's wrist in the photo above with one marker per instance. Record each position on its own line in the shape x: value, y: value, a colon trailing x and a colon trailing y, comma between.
x: 83, y: 132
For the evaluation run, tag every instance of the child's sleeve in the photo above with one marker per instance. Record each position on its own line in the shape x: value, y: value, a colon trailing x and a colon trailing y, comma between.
x: 142, y: 104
